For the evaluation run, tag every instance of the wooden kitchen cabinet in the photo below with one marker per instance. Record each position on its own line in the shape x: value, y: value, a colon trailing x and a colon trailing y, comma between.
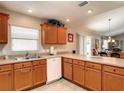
x: 39, y: 73
x: 93, y: 79
x: 3, y: 28
x: 6, y: 77
x: 78, y: 71
x: 78, y: 74
x: 113, y: 82
x: 67, y: 70
x: 5, y: 81
x: 52, y: 34
x: 22, y: 78
x: 61, y: 35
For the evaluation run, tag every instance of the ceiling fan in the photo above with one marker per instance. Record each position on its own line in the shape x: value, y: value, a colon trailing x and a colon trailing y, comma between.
x: 83, y: 3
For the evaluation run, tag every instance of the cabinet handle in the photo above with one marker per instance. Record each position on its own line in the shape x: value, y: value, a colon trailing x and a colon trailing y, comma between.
x: 92, y: 65
x: 23, y: 65
x: 114, y: 70
x: 9, y: 74
x: 25, y: 70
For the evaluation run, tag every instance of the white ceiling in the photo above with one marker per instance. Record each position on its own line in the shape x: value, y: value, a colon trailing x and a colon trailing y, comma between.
x: 97, y: 21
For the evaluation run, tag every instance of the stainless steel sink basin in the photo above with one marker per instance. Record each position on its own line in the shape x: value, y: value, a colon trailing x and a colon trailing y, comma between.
x: 26, y: 58
x: 97, y: 57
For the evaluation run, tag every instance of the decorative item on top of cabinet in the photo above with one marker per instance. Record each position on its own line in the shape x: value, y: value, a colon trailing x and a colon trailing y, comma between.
x: 3, y: 28
x: 52, y: 34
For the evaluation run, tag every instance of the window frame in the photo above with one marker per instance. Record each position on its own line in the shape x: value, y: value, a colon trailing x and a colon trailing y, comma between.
x: 38, y: 39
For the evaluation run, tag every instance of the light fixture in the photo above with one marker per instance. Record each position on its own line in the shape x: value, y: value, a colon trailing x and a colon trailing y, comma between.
x: 29, y: 10
x: 90, y: 11
x: 109, y: 37
x: 67, y: 20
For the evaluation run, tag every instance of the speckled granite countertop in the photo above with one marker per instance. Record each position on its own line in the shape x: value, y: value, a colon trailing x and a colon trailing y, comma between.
x: 101, y: 60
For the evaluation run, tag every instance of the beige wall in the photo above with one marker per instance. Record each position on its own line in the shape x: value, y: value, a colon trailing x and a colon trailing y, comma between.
x: 31, y: 22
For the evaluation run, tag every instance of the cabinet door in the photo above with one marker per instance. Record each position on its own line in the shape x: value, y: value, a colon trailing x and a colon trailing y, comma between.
x: 112, y: 82
x: 78, y: 74
x: 5, y: 81
x: 22, y: 78
x: 51, y: 34
x: 67, y: 70
x: 39, y: 74
x: 3, y: 28
x: 61, y: 35
x: 93, y: 79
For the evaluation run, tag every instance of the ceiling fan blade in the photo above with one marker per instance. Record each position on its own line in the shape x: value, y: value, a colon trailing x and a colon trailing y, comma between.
x: 83, y: 3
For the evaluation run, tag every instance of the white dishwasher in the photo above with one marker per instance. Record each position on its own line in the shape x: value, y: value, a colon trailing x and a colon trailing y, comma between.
x: 53, y: 69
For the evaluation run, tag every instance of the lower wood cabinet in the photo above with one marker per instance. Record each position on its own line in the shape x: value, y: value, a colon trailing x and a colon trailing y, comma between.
x: 39, y: 74
x: 113, y: 82
x: 67, y: 70
x: 22, y: 78
x: 78, y: 74
x: 6, y: 81
x: 93, y: 79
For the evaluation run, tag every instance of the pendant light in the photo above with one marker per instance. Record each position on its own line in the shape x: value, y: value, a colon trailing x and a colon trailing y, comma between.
x: 109, y: 37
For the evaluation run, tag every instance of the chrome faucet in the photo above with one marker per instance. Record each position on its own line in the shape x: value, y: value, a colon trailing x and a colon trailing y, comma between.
x: 27, y: 55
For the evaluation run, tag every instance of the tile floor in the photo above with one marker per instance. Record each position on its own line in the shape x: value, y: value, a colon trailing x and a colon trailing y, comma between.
x: 60, y: 85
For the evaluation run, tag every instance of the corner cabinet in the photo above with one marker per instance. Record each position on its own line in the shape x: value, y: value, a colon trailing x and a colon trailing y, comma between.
x: 67, y: 68
x: 52, y: 34
x: 3, y: 28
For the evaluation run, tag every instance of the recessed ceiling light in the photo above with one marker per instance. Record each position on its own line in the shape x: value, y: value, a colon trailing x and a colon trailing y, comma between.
x: 67, y: 20
x: 29, y: 10
x: 90, y: 11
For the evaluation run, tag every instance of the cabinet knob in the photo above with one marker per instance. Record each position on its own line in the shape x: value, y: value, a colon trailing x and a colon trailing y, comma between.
x: 114, y: 70
x: 9, y: 74
x: 92, y: 65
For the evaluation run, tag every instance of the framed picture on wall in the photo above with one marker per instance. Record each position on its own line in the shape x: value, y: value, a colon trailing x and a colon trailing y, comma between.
x: 96, y: 43
x: 70, y: 37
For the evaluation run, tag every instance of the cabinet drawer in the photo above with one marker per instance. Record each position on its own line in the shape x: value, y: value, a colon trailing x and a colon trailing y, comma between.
x: 5, y: 67
x: 67, y: 60
x: 22, y: 65
x: 93, y: 65
x: 115, y: 70
x: 78, y: 62
x: 39, y: 62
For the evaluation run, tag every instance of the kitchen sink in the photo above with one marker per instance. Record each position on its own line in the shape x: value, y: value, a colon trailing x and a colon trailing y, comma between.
x: 97, y: 57
x: 26, y: 58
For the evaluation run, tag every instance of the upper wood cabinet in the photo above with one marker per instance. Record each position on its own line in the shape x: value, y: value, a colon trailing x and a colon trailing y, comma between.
x: 61, y: 35
x: 52, y: 34
x: 3, y: 28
